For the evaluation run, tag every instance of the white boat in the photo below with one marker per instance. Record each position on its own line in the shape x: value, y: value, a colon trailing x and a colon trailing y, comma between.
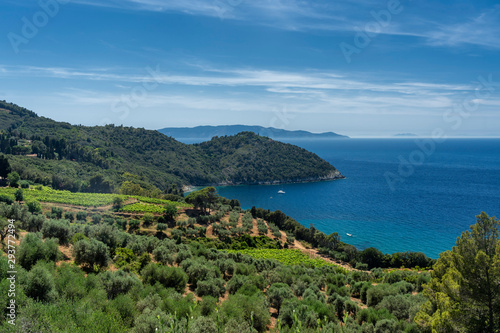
x: 348, y: 234
x: 281, y: 192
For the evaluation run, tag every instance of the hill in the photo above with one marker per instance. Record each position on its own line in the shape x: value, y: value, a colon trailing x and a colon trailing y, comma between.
x: 204, y: 133
x: 98, y: 159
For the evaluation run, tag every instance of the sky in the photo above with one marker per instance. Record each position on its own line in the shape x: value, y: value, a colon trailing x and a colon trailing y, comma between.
x: 355, y: 67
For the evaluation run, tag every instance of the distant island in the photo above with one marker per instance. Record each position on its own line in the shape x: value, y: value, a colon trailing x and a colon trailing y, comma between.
x: 205, y: 133
x: 410, y: 135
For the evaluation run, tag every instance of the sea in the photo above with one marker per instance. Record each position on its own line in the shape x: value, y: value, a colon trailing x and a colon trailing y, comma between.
x: 404, y: 194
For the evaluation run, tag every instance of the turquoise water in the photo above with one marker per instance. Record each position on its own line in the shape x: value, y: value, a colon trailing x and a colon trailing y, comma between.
x: 423, y: 211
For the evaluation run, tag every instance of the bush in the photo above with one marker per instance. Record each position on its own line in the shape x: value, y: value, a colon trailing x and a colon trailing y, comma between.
x: 208, y: 305
x: 277, y: 293
x: 57, y: 212
x: 243, y: 309
x: 56, y: 229
x: 169, y: 277
x: 211, y: 287
x: 34, y: 223
x: 91, y: 253
x: 203, y: 325
x: 96, y: 218
x: 81, y: 216
x: 33, y: 249
x: 40, y: 284
x: 9, y: 200
x: 118, y: 282
x: 19, y: 195
x: 70, y: 216
x: 34, y: 206
x: 148, y: 218
x: 161, y: 227
x: 24, y: 184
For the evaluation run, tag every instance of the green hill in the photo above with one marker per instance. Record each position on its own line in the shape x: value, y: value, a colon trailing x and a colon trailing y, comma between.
x: 71, y: 156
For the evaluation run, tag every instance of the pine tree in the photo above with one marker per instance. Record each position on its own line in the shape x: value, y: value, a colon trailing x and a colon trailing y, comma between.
x: 464, y: 292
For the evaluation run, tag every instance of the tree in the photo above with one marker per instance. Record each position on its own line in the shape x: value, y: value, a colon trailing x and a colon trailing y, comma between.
x: 170, y: 211
x: 203, y: 198
x: 117, y: 203
x: 4, y: 166
x: 91, y: 253
x: 464, y: 292
x: 277, y: 293
x: 14, y: 179
x: 34, y: 206
x: 19, y: 195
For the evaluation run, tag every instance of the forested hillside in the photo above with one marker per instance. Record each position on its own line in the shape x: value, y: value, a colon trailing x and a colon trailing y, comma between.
x: 69, y: 157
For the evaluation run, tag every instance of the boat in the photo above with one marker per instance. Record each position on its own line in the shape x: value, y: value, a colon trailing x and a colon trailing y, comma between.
x: 281, y: 192
x: 348, y: 234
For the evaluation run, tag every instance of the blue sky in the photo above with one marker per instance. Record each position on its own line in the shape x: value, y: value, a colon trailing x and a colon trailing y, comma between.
x: 357, y: 67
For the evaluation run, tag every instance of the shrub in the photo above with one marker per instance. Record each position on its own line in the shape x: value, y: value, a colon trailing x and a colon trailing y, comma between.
x: 148, y: 218
x: 34, y: 223
x: 19, y: 195
x: 169, y: 277
x: 57, y: 212
x: 70, y: 216
x: 56, y: 229
x: 40, y: 284
x: 134, y: 224
x: 211, y: 287
x: 33, y: 249
x: 203, y: 325
x: 208, y: 305
x: 9, y: 200
x: 78, y: 237
x: 118, y: 282
x: 81, y: 216
x: 161, y: 227
x: 277, y: 293
x: 91, y: 253
x: 24, y: 184
x: 96, y: 218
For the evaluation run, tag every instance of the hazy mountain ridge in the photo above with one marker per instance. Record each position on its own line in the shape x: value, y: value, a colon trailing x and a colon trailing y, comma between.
x: 204, y: 133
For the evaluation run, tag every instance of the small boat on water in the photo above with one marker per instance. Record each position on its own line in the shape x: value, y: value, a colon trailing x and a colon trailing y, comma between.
x: 348, y: 234
x: 281, y: 192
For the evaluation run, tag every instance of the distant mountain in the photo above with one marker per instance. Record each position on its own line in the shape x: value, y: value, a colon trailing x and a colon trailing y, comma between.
x: 71, y: 157
x: 204, y: 133
x: 409, y: 135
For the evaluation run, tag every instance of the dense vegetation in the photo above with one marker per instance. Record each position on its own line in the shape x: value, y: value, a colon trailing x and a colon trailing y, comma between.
x: 103, y: 159
x: 107, y: 272
x: 213, y: 269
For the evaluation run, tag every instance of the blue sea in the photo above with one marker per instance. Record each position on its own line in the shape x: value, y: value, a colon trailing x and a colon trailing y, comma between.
x: 398, y: 195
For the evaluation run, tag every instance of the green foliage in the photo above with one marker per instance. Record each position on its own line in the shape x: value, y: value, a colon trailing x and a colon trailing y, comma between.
x: 81, y: 216
x: 91, y: 253
x: 40, y: 284
x: 170, y: 211
x: 96, y: 218
x: 169, y: 277
x: 464, y: 293
x: 277, y: 293
x: 56, y: 229
x: 14, y: 179
x: 285, y: 256
x: 19, y: 195
x: 33, y: 249
x: 5, y: 168
x: 118, y: 283
x: 211, y: 287
x: 34, y: 206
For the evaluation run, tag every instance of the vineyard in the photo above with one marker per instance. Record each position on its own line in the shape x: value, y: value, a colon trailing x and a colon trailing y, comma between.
x: 285, y: 256
x: 46, y: 194
x: 140, y: 207
x: 160, y: 201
